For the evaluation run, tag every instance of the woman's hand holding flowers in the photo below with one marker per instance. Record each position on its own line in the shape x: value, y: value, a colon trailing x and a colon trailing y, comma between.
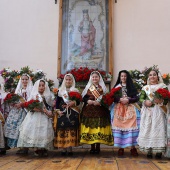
x: 18, y: 105
x: 148, y: 103
x: 158, y: 101
x: 71, y: 103
x: 124, y: 100
x: 60, y: 113
x: 96, y: 103
x: 48, y: 113
x: 90, y: 102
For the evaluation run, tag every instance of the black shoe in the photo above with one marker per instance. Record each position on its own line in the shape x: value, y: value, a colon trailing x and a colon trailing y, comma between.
x: 63, y: 153
x: 37, y: 153
x: 92, y: 151
x: 3, y: 152
x: 22, y: 151
x: 158, y: 156
x: 45, y: 153
x: 149, y: 155
x: 97, y: 151
x: 70, y: 153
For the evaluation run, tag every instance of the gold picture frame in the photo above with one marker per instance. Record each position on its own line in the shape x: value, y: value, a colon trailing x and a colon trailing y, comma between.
x: 63, y: 9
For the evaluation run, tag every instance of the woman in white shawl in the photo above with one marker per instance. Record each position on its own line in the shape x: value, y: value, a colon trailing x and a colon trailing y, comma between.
x: 67, y: 124
x: 36, y: 131
x: 95, y: 119
x: 152, y: 137
x: 17, y: 113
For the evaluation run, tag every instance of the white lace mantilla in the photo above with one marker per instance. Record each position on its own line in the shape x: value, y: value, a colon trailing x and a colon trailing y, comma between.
x: 124, y: 129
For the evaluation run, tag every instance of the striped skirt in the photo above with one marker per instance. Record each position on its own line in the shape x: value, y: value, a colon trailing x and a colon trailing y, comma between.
x: 123, y: 138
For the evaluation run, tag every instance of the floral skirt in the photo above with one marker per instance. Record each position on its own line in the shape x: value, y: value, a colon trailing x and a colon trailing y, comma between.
x: 95, y: 126
x: 96, y: 135
x: 12, y: 125
x: 66, y: 138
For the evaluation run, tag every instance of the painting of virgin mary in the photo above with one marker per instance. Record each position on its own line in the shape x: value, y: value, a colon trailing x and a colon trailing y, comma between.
x: 88, y: 33
x: 85, y: 34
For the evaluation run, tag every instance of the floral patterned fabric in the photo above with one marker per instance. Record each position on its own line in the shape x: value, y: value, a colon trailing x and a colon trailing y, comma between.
x: 12, y: 125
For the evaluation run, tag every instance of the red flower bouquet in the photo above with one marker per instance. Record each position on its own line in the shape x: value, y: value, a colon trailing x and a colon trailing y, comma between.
x: 161, y: 94
x: 33, y: 104
x: 83, y: 74
x: 107, y: 100
x: 116, y: 92
x: 75, y: 96
x: 11, y: 98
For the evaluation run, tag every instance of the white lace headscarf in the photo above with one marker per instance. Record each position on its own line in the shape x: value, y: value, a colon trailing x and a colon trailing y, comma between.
x: 159, y: 76
x: 19, y: 89
x: 101, y: 83
x: 47, y: 93
x: 62, y: 89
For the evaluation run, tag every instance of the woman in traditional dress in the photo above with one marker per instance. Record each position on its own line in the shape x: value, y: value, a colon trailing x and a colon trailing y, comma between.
x: 2, y: 121
x: 152, y: 137
x: 67, y: 125
x: 125, y: 115
x: 36, y: 131
x: 95, y: 119
x: 17, y: 113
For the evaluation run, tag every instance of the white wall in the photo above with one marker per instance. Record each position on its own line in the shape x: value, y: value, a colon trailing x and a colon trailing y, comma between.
x: 29, y: 34
x: 141, y: 34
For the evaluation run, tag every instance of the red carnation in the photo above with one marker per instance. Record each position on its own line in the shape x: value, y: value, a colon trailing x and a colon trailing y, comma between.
x: 75, y: 96
x: 11, y: 98
x: 116, y: 92
x: 107, y: 100
x: 32, y: 104
x: 161, y: 93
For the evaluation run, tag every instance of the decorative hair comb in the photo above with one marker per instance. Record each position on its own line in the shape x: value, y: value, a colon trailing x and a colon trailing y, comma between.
x: 155, y: 68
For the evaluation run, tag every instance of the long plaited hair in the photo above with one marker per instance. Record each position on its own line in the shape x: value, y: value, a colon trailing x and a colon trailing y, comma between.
x: 131, y: 90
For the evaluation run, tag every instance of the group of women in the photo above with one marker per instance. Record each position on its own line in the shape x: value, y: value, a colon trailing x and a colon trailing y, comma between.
x: 63, y: 124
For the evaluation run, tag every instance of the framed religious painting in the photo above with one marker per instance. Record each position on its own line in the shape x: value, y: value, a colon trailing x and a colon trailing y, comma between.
x: 85, y: 35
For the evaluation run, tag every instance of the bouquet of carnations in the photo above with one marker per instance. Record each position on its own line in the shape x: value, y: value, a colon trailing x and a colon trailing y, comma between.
x: 107, y: 100
x: 161, y: 94
x: 33, y: 104
x: 116, y: 92
x: 75, y: 96
x: 12, y: 98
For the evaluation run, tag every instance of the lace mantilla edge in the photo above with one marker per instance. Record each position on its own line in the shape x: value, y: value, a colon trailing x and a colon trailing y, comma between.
x: 40, y: 140
x: 123, y: 129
